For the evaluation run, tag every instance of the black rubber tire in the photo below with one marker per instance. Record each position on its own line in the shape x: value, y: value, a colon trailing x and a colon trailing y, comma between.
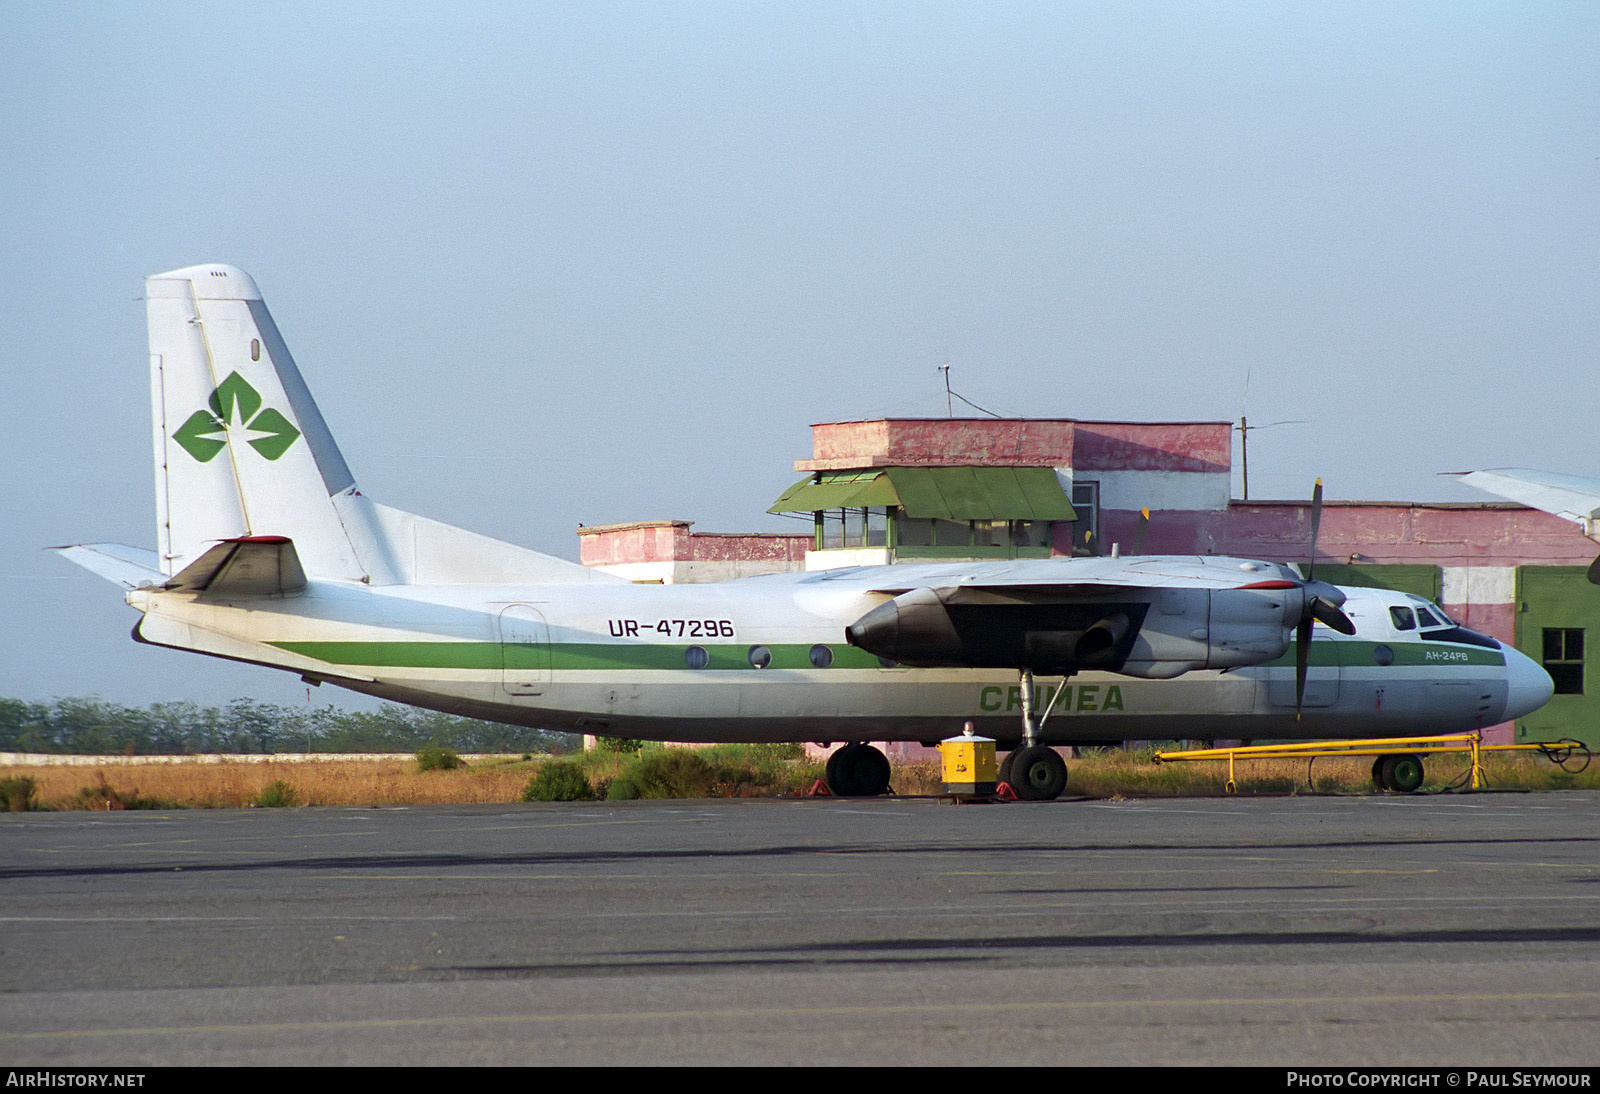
x: 1377, y: 773
x: 1004, y: 774
x: 1036, y: 773
x: 1403, y: 774
x: 830, y: 771
x: 857, y: 771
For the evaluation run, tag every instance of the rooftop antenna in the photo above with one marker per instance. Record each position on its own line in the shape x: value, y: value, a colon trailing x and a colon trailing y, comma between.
x: 1244, y: 427
x: 949, y: 407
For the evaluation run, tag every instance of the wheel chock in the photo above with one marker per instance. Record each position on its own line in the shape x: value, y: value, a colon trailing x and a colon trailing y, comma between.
x: 819, y: 789
x: 1004, y: 792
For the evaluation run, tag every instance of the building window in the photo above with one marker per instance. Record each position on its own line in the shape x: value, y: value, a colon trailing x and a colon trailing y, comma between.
x: 853, y: 527
x: 1030, y: 533
x: 1563, y: 658
x: 1086, y: 529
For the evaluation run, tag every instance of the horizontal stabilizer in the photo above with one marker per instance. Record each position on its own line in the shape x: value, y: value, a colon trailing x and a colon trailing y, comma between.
x: 130, y: 567
x: 247, y: 566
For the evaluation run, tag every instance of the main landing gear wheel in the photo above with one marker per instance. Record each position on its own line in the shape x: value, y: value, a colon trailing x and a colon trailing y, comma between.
x: 1037, y: 773
x: 1402, y: 774
x: 857, y: 771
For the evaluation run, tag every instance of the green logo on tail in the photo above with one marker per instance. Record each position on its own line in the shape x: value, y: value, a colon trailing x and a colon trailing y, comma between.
x: 202, y: 436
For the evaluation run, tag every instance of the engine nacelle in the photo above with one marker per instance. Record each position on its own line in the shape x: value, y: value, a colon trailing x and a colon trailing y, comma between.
x: 1149, y: 633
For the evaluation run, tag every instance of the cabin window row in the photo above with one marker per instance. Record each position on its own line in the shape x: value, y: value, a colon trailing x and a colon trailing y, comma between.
x: 759, y: 657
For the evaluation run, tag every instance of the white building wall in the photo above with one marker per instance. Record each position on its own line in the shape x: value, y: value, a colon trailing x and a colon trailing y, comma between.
x: 1155, y: 489
x: 1481, y: 585
x: 695, y: 573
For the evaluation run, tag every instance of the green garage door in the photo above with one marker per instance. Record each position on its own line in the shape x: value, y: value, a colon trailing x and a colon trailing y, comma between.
x: 1423, y: 580
x: 1558, y: 612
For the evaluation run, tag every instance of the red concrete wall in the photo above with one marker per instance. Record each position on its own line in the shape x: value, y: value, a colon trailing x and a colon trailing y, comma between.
x: 655, y: 541
x: 956, y: 442
x: 671, y: 541
x: 1496, y: 620
x: 836, y: 441
x: 1487, y: 534
x: 1146, y: 446
x: 750, y: 547
x: 940, y: 442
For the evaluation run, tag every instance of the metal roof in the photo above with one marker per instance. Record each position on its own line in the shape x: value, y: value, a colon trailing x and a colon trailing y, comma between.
x: 945, y: 493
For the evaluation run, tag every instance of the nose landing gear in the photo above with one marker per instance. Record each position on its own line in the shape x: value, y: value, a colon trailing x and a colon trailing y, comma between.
x: 1034, y: 770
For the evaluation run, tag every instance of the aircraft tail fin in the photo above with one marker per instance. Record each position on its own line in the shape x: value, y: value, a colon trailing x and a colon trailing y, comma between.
x: 243, y: 456
x: 241, y: 449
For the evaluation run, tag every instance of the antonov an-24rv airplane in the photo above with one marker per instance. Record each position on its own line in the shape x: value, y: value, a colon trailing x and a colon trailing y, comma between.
x: 269, y: 554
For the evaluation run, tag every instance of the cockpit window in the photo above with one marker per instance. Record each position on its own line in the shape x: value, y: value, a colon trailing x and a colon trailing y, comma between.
x: 1430, y: 614
x: 1403, y: 619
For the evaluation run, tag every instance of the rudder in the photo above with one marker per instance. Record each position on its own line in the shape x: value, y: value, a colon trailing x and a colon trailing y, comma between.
x: 240, y: 447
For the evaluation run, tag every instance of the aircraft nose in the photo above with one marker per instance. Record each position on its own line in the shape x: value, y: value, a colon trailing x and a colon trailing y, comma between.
x: 1528, y: 686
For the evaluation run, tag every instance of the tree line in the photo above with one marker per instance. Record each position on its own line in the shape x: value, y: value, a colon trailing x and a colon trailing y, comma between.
x: 97, y: 727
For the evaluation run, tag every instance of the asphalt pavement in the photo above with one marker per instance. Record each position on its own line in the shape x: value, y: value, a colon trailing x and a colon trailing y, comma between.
x: 1445, y: 930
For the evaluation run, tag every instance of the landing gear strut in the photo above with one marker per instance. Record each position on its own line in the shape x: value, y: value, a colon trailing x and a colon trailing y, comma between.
x: 1034, y: 770
x: 857, y: 771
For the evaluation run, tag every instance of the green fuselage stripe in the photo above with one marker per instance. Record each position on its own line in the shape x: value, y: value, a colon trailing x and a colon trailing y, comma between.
x: 562, y: 655
x: 615, y: 656
x: 1355, y: 654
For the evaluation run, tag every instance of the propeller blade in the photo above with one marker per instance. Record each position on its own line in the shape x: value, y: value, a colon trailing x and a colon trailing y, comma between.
x: 1328, y: 614
x: 1302, y: 662
x: 1138, y: 531
x: 1316, y: 523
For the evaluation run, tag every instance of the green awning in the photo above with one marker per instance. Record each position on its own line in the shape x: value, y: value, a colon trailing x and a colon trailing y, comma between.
x: 838, y: 490
x: 946, y: 493
x: 982, y: 493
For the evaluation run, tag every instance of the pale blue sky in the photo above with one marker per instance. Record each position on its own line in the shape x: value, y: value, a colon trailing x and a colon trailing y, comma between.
x: 544, y: 264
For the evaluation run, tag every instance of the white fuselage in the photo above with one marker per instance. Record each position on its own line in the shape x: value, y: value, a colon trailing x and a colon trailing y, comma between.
x: 764, y: 659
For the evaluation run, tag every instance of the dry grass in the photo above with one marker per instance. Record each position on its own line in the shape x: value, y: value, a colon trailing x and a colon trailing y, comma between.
x: 911, y: 779
x: 1108, y: 774
x: 235, y: 785
x: 1113, y: 773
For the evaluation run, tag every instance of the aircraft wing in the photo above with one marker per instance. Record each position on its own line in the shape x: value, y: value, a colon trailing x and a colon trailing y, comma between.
x: 1076, y: 578
x: 1571, y: 497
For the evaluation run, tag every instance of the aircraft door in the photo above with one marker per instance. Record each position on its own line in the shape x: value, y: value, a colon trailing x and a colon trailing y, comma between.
x: 524, y: 651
